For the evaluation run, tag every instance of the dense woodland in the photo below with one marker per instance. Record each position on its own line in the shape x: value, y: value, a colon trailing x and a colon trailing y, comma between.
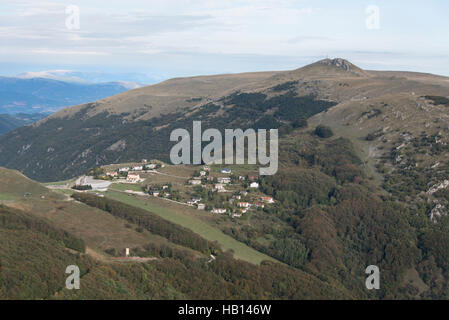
x: 34, y: 257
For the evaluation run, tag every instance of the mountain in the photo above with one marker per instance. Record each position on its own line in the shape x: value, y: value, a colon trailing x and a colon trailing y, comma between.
x: 45, y: 95
x: 132, y: 79
x: 137, y: 124
x: 11, y: 122
x: 362, y: 180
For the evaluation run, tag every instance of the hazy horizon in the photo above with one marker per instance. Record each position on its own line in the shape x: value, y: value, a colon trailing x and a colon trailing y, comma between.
x: 149, y: 41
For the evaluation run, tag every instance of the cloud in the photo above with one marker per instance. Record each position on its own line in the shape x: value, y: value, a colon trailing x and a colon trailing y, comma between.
x: 124, y: 32
x: 68, y: 52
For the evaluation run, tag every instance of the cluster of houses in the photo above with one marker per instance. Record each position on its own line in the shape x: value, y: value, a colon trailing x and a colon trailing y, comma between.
x: 243, y: 206
x: 203, y: 177
x: 196, y: 202
x: 220, y: 184
x: 160, y: 192
x: 131, y: 172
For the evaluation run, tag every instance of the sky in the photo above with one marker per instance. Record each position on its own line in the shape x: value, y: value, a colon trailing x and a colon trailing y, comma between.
x: 154, y: 40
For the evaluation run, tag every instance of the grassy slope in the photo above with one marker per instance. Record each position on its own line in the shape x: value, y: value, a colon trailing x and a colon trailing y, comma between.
x: 241, y: 251
x: 97, y: 228
x: 15, y: 184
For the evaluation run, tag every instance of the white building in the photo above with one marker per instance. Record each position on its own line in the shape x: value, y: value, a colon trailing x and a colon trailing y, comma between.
x: 137, y: 168
x: 218, y: 211
x: 219, y: 187
x: 254, y: 185
x: 267, y: 199
x: 195, y: 182
x: 243, y: 204
x: 193, y: 201
x: 224, y: 180
x: 133, y: 177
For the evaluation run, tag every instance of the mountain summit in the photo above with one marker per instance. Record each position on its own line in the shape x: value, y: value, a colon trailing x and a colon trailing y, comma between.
x: 333, y: 67
x: 339, y: 63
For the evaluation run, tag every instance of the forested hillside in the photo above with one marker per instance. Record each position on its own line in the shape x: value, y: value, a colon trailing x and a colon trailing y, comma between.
x: 35, y: 255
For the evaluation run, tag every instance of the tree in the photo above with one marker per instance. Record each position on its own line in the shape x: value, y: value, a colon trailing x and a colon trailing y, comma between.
x: 323, y: 131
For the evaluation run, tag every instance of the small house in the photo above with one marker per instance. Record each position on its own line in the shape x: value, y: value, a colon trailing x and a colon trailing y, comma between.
x: 224, y: 180
x: 219, y: 211
x: 112, y: 174
x: 133, y: 178
x: 219, y: 187
x: 254, y: 185
x: 243, y: 204
x: 267, y: 199
x: 259, y: 204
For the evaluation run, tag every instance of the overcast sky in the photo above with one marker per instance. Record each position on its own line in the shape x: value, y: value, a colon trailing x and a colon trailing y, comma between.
x: 189, y: 37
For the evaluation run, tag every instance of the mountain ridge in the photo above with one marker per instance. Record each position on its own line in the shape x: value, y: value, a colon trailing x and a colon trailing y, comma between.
x: 141, y: 119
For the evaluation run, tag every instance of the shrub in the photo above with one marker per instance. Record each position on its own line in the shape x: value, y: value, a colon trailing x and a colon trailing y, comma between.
x: 323, y: 131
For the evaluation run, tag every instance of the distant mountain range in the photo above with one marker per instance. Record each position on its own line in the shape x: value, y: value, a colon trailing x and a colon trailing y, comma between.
x: 128, y: 78
x: 31, y: 95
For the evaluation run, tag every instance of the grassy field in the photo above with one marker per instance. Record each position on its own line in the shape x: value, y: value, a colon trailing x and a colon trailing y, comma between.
x: 7, y: 197
x: 241, y: 251
x: 125, y: 186
x: 13, y: 183
x: 58, y: 183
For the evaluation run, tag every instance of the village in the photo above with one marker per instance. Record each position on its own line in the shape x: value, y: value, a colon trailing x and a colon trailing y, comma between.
x: 217, y: 190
